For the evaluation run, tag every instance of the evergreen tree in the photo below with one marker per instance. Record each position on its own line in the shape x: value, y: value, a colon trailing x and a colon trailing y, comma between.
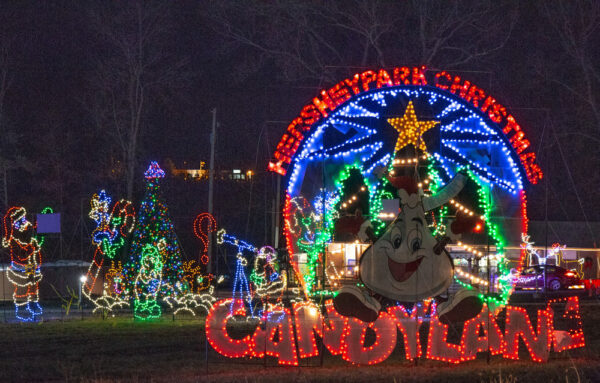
x: 153, y: 225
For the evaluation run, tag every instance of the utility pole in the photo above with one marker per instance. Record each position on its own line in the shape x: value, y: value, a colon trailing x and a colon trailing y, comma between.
x: 211, y: 178
x: 277, y: 211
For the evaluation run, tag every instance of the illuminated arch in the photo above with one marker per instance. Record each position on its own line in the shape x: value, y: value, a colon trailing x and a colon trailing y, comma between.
x: 348, y: 124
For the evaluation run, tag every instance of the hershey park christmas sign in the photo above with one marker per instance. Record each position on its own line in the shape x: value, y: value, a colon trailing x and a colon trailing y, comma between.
x: 401, y: 164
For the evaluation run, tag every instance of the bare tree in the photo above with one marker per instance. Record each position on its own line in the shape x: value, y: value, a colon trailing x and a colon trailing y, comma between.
x: 577, y: 24
x: 315, y: 39
x: 452, y: 34
x: 10, y: 156
x: 134, y: 70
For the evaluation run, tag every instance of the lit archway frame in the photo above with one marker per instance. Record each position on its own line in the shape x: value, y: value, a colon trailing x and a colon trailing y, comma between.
x: 348, y: 124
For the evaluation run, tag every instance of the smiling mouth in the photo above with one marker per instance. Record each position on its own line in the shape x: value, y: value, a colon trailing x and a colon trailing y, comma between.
x: 402, y: 271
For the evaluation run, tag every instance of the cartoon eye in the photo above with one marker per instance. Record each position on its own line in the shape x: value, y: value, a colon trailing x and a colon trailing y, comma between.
x: 415, y: 244
x: 397, y: 242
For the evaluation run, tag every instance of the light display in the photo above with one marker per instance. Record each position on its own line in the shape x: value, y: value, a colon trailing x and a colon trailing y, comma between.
x: 25, y: 261
x: 148, y: 281
x: 195, y: 292
x: 112, y: 227
x: 410, y: 130
x: 454, y: 160
x: 204, y: 224
x: 555, y: 252
x: 154, y: 223
x: 414, y: 125
x: 241, y: 291
x: 347, y: 336
x: 268, y: 282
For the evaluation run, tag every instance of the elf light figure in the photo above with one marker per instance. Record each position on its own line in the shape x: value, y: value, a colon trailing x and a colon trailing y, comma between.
x: 148, y: 282
x: 25, y: 261
x: 268, y: 282
x: 108, y: 236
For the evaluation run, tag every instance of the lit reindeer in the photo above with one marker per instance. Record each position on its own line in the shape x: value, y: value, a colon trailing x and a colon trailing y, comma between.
x: 406, y: 263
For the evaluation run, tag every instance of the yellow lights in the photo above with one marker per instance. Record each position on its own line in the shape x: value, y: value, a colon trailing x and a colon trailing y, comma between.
x: 470, y: 249
x: 386, y: 216
x: 473, y: 278
x: 461, y: 207
x: 410, y: 129
x: 409, y: 161
x: 353, y: 198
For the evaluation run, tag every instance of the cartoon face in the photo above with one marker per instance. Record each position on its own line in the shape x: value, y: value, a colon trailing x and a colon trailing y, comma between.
x: 401, y: 264
x: 22, y: 229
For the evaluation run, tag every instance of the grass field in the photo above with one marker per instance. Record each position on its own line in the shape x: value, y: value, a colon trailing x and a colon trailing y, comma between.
x: 119, y: 349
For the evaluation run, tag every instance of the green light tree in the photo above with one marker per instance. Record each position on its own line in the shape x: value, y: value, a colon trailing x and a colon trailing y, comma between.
x: 153, y: 225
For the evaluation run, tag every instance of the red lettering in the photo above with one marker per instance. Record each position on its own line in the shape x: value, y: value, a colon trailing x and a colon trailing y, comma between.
x: 367, y: 77
x: 460, y: 87
x: 401, y: 76
x: 511, y: 125
x: 279, y: 325
x: 308, y: 321
x: 519, y: 142
x: 333, y: 329
x: 309, y: 115
x: 488, y: 102
x: 418, y: 76
x: 471, y: 343
x: 409, y: 326
x: 353, y: 83
x: 497, y: 112
x: 533, y: 171
x: 339, y: 93
x: 573, y: 336
x: 277, y: 168
x: 441, y: 76
x: 383, y: 79
x: 292, y: 129
x: 437, y: 346
x: 216, y: 330
x: 518, y: 326
x: 353, y: 340
x: 324, y: 103
x: 475, y: 95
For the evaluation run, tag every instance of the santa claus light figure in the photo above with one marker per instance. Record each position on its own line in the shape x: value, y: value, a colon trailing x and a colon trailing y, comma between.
x: 25, y: 261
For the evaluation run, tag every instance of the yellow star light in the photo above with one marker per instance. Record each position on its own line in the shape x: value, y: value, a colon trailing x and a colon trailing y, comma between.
x: 410, y: 129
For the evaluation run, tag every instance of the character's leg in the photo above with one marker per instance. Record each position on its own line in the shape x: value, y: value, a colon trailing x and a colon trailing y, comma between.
x: 33, y: 296
x: 22, y: 309
x: 93, y: 272
x: 140, y: 309
x: 154, y: 309
x: 353, y: 301
x: 459, y: 307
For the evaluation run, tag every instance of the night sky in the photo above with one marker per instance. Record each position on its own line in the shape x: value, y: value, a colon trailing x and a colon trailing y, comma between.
x: 257, y: 85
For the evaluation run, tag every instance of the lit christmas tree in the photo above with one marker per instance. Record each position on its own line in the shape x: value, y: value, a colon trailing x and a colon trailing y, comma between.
x: 154, y: 225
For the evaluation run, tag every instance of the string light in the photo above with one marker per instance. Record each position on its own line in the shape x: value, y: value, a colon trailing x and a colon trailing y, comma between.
x: 153, y: 224
x: 204, y: 224
x: 573, y: 337
x: 268, y: 282
x: 109, y: 237
x: 518, y: 326
x: 444, y: 84
x: 148, y: 281
x: 410, y: 130
x: 471, y: 342
x: 347, y: 337
x: 465, y: 136
x: 25, y: 262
